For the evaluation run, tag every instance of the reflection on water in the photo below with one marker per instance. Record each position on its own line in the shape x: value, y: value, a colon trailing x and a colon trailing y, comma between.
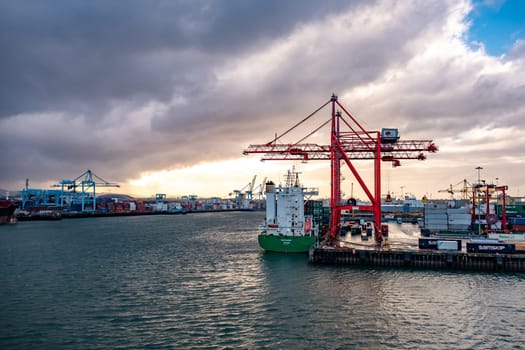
x: 201, y: 281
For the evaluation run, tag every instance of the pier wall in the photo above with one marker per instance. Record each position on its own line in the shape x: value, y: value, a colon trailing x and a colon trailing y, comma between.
x: 419, y: 259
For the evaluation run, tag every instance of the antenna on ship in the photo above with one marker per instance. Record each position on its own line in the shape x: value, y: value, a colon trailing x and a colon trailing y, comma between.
x: 297, y: 184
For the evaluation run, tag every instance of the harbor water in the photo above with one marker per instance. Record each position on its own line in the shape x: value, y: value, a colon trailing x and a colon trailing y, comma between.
x: 201, y: 281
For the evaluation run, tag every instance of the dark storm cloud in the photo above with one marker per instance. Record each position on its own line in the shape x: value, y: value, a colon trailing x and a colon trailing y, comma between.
x: 124, y: 87
x: 79, y: 55
x: 347, y: 51
x: 82, y: 58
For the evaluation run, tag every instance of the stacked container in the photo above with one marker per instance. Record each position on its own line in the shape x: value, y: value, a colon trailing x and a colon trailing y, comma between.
x: 436, y: 216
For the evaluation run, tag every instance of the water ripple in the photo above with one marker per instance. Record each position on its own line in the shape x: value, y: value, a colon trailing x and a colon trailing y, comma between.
x: 200, y: 281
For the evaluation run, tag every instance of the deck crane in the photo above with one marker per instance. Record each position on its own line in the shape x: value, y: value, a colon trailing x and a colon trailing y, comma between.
x: 88, y: 182
x: 349, y: 142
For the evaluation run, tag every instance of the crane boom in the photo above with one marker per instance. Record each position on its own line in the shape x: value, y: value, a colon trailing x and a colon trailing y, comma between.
x: 410, y: 149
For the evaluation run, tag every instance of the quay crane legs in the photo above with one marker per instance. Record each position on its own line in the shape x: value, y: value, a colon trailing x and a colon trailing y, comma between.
x: 88, y: 182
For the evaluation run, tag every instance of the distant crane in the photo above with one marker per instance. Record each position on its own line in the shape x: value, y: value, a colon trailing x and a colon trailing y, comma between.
x: 244, y: 195
x: 453, y: 189
x: 449, y: 190
x: 249, y: 192
x: 88, y: 182
x: 261, y: 188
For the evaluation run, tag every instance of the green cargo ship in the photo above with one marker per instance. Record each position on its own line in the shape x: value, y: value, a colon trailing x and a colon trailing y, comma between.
x: 286, y: 228
x: 286, y: 244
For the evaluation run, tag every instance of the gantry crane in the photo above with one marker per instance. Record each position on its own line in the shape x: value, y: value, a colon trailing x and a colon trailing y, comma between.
x: 88, y: 182
x: 242, y: 199
x: 249, y: 191
x: 483, y: 191
x: 260, y: 189
x: 349, y: 141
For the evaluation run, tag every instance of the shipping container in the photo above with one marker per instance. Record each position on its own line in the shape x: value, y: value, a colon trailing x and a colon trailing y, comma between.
x: 512, y: 210
x: 517, y: 221
x: 491, y: 248
x: 428, y: 243
x: 449, y: 245
x: 439, y: 244
x: 518, y: 228
x: 507, y: 237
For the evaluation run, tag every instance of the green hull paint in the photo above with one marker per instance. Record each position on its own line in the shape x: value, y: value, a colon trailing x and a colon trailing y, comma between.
x: 286, y: 244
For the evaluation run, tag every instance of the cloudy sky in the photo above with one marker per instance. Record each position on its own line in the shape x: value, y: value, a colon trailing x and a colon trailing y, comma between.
x: 163, y: 96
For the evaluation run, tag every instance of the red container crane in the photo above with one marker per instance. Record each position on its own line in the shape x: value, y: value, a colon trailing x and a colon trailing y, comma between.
x: 349, y: 142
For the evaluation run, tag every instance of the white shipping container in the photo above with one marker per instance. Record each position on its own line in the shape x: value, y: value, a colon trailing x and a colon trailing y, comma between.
x: 520, y: 237
x: 448, y: 245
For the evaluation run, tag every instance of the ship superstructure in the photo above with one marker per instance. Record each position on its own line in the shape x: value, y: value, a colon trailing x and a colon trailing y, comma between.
x: 286, y: 228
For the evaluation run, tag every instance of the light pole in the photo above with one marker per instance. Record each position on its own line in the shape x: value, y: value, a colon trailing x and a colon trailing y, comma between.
x: 478, y: 186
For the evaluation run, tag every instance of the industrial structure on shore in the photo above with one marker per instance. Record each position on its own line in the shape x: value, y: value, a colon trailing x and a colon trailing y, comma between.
x: 83, y: 196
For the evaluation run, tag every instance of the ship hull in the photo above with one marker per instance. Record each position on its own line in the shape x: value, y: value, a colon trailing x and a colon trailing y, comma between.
x: 7, y: 210
x: 286, y: 244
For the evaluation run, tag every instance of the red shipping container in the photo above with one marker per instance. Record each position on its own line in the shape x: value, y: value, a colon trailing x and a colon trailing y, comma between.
x: 518, y: 228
